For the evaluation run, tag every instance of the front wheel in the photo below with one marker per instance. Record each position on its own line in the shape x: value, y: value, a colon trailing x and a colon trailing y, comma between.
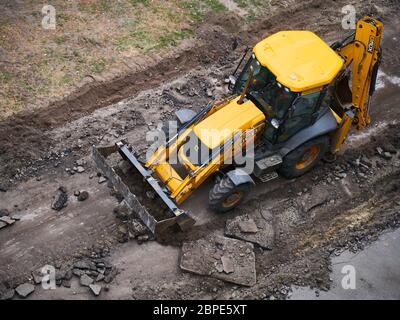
x: 225, y: 195
x: 304, y: 157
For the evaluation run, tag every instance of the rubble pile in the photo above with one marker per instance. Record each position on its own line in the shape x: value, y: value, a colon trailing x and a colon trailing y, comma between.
x: 94, y: 272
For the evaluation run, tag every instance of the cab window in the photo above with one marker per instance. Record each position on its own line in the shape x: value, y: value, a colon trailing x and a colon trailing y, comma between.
x: 305, y: 105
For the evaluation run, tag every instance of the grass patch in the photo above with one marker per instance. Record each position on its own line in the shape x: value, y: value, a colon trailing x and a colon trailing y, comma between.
x: 96, y: 7
x: 59, y: 40
x: 171, y: 38
x: 251, y: 16
x: 136, y: 3
x: 196, y: 9
x: 25, y: 84
x: 248, y: 3
x: 140, y: 39
x: 193, y: 10
x: 5, y: 76
x: 98, y: 66
x: 215, y: 5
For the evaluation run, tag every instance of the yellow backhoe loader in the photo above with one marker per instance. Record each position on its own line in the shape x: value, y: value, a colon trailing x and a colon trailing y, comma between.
x: 292, y: 104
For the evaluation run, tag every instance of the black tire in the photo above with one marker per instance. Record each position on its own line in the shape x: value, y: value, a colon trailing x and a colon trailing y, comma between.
x: 293, y: 165
x: 223, y: 191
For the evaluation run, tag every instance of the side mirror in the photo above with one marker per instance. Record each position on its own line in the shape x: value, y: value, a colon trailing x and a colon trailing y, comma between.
x: 231, y: 82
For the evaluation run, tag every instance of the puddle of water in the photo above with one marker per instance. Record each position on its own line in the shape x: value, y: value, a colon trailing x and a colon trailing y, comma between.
x: 383, y: 79
x: 375, y: 270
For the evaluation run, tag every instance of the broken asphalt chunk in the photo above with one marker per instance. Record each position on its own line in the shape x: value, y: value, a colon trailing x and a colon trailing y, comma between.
x: 7, y: 294
x: 222, y: 258
x: 6, y: 219
x: 61, y: 201
x: 256, y: 230
x: 4, y: 212
x: 85, y: 280
x: 83, y: 195
x: 227, y: 264
x: 96, y: 289
x: 102, y: 179
x: 25, y: 289
x: 247, y: 226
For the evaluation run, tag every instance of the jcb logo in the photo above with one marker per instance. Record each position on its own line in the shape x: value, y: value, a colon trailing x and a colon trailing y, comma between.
x: 371, y: 45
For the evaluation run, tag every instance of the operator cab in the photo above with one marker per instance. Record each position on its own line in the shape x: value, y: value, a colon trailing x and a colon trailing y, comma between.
x: 289, y: 73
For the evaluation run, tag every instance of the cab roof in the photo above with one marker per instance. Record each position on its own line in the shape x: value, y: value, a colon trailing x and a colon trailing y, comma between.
x: 299, y: 59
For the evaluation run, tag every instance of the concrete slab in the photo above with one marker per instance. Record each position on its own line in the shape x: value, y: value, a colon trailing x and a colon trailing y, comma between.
x: 219, y: 257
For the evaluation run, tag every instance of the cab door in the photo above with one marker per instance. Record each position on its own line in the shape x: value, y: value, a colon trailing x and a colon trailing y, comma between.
x: 300, y: 115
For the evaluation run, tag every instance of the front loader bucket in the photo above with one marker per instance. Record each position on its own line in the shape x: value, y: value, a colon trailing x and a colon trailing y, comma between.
x: 168, y: 215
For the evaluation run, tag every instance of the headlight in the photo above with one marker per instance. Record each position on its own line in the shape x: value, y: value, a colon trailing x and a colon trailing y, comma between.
x: 275, y: 123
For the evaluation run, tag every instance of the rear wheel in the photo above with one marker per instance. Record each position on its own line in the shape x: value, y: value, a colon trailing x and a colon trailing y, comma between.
x: 225, y: 195
x: 304, y: 157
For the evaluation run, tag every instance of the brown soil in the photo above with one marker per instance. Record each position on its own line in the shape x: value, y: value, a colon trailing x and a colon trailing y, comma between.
x: 314, y: 216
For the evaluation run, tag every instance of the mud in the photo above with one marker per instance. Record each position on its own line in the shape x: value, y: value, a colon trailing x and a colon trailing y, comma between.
x: 335, y: 207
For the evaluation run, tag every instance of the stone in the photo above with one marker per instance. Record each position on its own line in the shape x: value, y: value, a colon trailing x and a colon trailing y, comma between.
x: 136, y: 228
x: 198, y: 257
x: 61, y: 201
x: 3, y: 188
x: 83, y: 196
x: 85, y: 280
x: 7, y: 294
x: 388, y: 147
x: 227, y: 264
x: 66, y: 283
x: 4, y: 212
x: 248, y: 226
x: 17, y: 216
x: 83, y: 264
x: 150, y: 194
x: 100, y: 277
x: 7, y: 220
x: 102, y: 179
x: 76, y: 193
x: 143, y: 238
x: 37, y: 276
x: 68, y: 275
x: 387, y: 155
x: 3, y: 224
x: 96, y: 289
x: 77, y: 272
x: 110, y: 277
x: 25, y: 289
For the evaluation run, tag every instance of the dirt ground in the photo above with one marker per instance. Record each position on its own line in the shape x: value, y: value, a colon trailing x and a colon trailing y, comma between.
x: 339, y: 206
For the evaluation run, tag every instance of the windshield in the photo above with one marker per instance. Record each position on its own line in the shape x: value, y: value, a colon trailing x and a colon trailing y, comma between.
x: 264, y: 90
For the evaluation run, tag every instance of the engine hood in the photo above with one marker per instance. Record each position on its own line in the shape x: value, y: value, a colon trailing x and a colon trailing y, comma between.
x: 224, y: 123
